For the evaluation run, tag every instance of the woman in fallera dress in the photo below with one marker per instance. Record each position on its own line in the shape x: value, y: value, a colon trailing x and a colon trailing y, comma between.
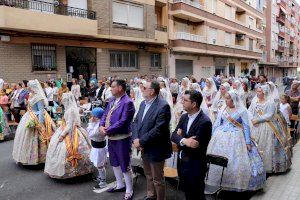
x: 34, y: 130
x: 3, y: 125
x: 69, y: 148
x: 271, y: 141
x: 209, y: 91
x: 232, y: 139
x: 219, y: 101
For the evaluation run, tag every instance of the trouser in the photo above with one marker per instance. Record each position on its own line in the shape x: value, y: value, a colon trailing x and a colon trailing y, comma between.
x: 154, y: 171
x: 192, y: 175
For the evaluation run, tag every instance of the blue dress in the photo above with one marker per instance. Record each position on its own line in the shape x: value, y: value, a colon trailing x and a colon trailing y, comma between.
x: 245, y: 170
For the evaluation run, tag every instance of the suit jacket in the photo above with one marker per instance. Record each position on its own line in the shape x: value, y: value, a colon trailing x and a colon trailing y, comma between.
x: 153, y: 131
x: 121, y: 118
x: 201, y: 128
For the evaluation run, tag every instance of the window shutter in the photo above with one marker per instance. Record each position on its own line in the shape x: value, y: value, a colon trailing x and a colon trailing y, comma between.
x: 136, y: 17
x: 120, y: 11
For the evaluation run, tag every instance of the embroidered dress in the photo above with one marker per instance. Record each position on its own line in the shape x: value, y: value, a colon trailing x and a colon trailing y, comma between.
x: 270, y: 138
x: 69, y: 158
x: 3, y: 125
x: 34, y: 130
x: 245, y: 170
x: 231, y: 135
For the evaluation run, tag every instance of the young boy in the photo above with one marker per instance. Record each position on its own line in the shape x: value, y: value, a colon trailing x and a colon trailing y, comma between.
x: 98, y: 152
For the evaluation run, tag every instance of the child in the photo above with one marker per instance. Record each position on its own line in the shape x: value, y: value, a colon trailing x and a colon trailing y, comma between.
x: 285, y: 107
x: 98, y: 152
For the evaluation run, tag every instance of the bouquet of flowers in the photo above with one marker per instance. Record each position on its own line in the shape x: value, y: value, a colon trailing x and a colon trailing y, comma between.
x: 31, y: 124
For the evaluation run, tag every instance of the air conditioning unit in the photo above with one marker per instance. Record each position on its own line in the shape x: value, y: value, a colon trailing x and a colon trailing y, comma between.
x: 240, y: 37
x: 4, y: 38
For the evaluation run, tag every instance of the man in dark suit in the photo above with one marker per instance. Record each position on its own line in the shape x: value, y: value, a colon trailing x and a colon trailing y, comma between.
x: 151, y: 135
x: 192, y: 136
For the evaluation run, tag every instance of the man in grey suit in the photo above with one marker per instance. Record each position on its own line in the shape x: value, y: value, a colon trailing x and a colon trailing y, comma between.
x: 151, y: 135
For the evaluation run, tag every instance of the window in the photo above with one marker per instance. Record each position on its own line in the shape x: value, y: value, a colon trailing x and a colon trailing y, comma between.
x: 123, y: 59
x: 231, y: 69
x: 156, y: 60
x: 213, y: 36
x: 43, y: 57
x: 250, y: 44
x: 227, y: 39
x: 251, y: 22
x: 128, y: 15
x: 228, y: 12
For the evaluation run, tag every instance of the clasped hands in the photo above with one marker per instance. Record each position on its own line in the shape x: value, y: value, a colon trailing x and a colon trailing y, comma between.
x: 136, y: 144
x: 189, y: 142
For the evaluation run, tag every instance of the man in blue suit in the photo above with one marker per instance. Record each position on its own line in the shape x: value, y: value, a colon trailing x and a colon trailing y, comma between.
x: 192, y: 136
x: 151, y: 135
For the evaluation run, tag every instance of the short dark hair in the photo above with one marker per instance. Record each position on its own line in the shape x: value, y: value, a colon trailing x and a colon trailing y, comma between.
x: 121, y: 83
x: 195, y: 96
x: 155, y: 86
x: 25, y: 82
x: 175, y: 95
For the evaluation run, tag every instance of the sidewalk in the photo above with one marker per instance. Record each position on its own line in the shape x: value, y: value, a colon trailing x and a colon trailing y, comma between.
x: 285, y: 186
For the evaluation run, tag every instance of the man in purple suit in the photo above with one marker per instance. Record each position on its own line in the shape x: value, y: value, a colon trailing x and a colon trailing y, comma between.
x: 116, y: 124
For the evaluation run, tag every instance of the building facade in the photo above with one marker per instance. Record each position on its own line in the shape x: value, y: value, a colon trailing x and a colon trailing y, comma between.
x: 72, y: 37
x: 210, y: 37
x: 281, y: 53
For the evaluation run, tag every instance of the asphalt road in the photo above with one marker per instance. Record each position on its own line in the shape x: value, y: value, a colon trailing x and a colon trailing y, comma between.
x: 30, y: 183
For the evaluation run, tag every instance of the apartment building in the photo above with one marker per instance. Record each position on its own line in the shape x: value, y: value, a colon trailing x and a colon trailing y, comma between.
x: 72, y: 37
x: 210, y: 37
x: 281, y: 55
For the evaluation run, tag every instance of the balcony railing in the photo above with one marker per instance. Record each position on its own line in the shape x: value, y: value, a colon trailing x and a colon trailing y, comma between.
x: 240, y: 47
x: 189, y: 36
x: 54, y: 8
x: 161, y: 28
x: 189, y: 2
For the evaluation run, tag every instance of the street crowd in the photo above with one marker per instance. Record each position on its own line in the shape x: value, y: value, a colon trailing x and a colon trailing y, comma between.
x: 246, y: 121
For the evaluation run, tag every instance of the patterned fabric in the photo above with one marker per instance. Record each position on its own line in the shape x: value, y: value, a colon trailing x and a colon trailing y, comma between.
x: 245, y: 170
x: 3, y: 125
x: 277, y: 158
x: 57, y: 163
x: 30, y: 147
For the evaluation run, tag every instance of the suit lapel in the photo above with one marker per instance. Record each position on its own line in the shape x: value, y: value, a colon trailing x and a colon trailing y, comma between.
x: 195, y: 122
x: 140, y: 114
x: 185, y: 124
x: 152, y: 108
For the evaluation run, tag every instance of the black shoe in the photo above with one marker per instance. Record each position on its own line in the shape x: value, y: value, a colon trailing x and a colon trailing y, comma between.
x: 148, y: 198
x: 114, y: 189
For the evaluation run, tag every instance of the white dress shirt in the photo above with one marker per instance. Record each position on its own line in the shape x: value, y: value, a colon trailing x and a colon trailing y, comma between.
x: 147, y: 106
x: 190, y: 122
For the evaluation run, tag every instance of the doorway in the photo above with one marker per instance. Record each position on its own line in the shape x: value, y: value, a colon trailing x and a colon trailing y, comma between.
x: 81, y: 61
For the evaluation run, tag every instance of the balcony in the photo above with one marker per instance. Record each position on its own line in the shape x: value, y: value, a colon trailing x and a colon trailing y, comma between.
x: 184, y: 9
x: 161, y: 34
x: 281, y: 32
x: 281, y: 48
x: 282, y: 3
x: 162, y: 2
x: 281, y: 19
x: 240, y: 47
x: 189, y: 36
x: 43, y: 17
x: 190, y: 46
x: 189, y: 2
